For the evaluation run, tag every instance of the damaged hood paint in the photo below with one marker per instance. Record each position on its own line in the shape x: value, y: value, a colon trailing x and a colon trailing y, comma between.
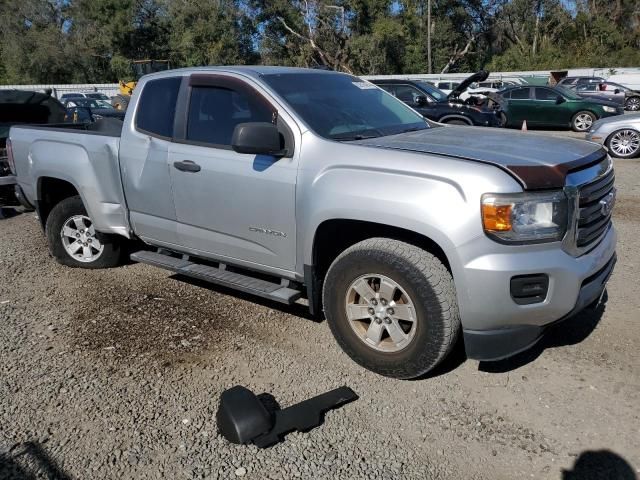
x: 536, y: 161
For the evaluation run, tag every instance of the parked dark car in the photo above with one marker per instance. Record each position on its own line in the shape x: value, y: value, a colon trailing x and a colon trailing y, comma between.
x: 630, y: 97
x: 82, y: 109
x: 600, y: 91
x: 573, y: 81
x: 436, y: 105
x: 22, y: 107
x: 554, y: 107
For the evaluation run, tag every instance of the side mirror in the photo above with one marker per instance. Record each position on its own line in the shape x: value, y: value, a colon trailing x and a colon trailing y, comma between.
x: 560, y: 99
x: 257, y: 138
x: 616, y: 91
x: 420, y: 100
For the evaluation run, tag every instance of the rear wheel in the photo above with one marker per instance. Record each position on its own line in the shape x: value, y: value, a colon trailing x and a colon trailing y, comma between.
x: 632, y: 104
x: 582, y: 121
x: 73, y: 240
x: 456, y: 121
x: 624, y: 143
x: 120, y: 102
x: 392, y: 307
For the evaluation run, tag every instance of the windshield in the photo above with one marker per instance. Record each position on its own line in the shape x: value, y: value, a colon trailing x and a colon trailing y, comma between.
x: 570, y: 94
x: 91, y: 103
x: 436, y: 93
x: 344, y: 107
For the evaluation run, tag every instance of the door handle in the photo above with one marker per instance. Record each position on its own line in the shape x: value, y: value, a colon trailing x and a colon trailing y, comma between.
x: 187, y: 166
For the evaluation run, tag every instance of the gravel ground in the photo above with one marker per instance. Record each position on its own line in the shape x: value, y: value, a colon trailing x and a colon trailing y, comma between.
x: 116, y: 374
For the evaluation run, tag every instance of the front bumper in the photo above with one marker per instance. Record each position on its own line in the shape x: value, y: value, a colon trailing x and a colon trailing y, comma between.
x: 497, y: 344
x: 494, y: 325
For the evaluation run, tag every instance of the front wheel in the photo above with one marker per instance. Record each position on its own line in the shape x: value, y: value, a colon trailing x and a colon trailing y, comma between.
x: 582, y: 121
x: 392, y: 307
x: 624, y: 143
x: 73, y: 240
x: 632, y: 104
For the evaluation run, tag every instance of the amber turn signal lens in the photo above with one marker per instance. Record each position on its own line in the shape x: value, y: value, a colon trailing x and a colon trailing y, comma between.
x: 496, y: 218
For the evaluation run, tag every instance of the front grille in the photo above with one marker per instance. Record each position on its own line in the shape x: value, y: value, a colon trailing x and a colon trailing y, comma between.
x: 593, y: 219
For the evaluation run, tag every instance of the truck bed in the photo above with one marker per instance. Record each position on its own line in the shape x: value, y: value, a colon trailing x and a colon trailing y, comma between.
x: 83, y: 155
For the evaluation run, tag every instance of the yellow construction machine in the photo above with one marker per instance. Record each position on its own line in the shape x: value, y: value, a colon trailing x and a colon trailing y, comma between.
x: 138, y: 69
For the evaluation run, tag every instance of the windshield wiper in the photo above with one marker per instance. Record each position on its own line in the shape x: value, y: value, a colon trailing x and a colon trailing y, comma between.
x: 354, y: 137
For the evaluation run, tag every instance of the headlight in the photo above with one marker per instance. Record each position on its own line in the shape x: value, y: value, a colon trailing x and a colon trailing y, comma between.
x: 609, y: 109
x: 525, y: 217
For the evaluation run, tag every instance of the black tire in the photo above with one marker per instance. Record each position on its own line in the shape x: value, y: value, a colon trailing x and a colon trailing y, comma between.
x: 575, y: 124
x: 426, y: 281
x: 120, y: 102
x: 59, y: 215
x: 456, y: 121
x: 632, y: 104
x: 616, y: 143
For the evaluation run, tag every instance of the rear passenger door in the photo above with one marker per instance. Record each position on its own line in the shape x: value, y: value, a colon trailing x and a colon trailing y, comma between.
x: 230, y: 205
x: 144, y: 151
x: 520, y: 106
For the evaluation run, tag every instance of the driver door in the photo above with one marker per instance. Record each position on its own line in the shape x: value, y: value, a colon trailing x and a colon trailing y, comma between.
x: 231, y: 205
x: 549, y: 111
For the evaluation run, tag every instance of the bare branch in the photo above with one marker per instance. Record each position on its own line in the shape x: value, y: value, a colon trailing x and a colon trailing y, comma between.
x: 457, y: 55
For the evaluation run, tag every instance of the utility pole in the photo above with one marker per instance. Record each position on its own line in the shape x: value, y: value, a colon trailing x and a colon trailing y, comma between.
x: 428, y: 36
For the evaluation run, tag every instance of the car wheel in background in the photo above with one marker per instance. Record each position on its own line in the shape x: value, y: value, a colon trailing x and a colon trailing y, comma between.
x: 392, y: 307
x: 582, y: 121
x: 456, y: 121
x: 632, y: 104
x: 624, y: 143
x: 120, y: 102
x: 73, y: 240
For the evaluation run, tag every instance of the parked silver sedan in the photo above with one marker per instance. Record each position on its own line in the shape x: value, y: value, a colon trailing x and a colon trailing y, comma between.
x: 620, y: 134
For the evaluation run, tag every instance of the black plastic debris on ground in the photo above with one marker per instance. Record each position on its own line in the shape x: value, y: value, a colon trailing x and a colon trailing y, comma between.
x: 242, y: 418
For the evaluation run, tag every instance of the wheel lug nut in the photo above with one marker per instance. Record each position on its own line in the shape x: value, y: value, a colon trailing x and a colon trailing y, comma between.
x: 387, y: 320
x: 77, y: 235
x: 371, y: 311
x: 88, y: 240
x: 383, y: 301
x: 374, y: 302
x: 390, y: 311
x: 378, y: 321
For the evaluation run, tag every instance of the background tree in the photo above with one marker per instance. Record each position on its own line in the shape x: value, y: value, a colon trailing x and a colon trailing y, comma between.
x: 51, y: 41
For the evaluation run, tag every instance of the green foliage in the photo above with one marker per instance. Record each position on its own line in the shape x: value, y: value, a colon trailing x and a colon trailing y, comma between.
x: 52, y: 41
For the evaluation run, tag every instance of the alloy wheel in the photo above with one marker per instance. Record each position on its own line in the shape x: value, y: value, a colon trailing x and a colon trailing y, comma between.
x: 633, y: 104
x: 625, y: 143
x: 583, y: 122
x: 381, y: 313
x: 79, y: 239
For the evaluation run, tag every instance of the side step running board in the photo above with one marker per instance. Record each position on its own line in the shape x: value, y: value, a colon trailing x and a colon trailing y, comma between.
x: 219, y: 276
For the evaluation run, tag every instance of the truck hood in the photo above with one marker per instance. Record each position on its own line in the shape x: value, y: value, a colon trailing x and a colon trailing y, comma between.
x: 536, y: 161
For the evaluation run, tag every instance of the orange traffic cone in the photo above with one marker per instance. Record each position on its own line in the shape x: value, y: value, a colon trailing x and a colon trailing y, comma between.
x: 524, y: 126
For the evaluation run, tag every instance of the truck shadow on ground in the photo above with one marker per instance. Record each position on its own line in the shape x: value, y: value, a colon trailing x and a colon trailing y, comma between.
x: 569, y: 332
x: 29, y: 461
x: 600, y: 465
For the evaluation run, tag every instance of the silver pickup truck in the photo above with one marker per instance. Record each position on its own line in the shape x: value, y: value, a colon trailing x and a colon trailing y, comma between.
x: 293, y: 183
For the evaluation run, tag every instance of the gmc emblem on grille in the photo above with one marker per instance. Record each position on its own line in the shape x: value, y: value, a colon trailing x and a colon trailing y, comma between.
x: 607, y: 203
